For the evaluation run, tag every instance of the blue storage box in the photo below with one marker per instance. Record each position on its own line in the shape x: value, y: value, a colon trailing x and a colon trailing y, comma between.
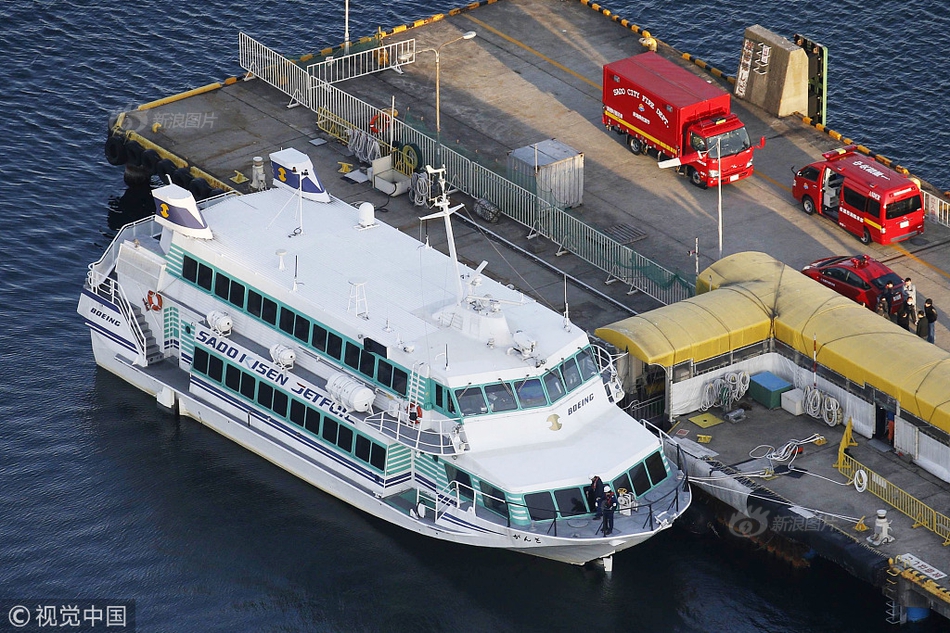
x: 766, y: 388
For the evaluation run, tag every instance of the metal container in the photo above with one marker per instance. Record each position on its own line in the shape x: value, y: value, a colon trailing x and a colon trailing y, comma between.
x: 551, y: 170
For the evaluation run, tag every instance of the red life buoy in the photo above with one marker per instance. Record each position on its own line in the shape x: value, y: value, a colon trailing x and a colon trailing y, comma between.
x: 379, y: 123
x: 153, y: 301
x: 415, y: 412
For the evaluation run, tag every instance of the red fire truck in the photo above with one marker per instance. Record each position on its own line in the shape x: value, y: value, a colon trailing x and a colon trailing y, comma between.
x: 863, y: 196
x: 662, y: 106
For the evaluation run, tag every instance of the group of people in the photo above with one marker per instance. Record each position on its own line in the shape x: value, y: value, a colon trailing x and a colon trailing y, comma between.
x: 601, y: 499
x: 918, y: 320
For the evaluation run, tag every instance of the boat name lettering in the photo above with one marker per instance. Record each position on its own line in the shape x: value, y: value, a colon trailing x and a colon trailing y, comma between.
x: 579, y: 404
x: 105, y: 317
x: 527, y: 538
x: 321, y: 401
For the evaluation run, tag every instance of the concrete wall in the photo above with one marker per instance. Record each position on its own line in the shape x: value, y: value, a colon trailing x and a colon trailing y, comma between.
x: 773, y: 73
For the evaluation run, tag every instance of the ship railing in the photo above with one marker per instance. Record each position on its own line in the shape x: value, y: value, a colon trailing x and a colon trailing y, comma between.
x: 139, y: 230
x: 607, y: 367
x: 937, y: 208
x: 442, y: 436
x: 459, y: 496
x: 110, y: 290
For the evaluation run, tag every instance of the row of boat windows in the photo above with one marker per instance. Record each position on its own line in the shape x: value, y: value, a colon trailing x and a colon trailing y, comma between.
x: 367, y: 359
x: 531, y: 392
x: 286, y: 407
x: 569, y: 502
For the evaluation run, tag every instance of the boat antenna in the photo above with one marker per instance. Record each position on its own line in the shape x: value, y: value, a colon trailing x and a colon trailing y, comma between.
x: 296, y: 283
x: 297, y: 231
x: 442, y: 202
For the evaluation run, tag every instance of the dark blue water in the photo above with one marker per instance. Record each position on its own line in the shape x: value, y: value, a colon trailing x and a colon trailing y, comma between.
x: 103, y: 496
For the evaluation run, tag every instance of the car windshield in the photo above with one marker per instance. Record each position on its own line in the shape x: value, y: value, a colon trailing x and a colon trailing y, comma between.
x: 882, y: 281
x: 731, y: 142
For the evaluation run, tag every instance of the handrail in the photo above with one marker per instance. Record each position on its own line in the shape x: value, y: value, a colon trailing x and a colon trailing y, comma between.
x: 118, y: 298
x: 411, y: 433
x: 133, y: 230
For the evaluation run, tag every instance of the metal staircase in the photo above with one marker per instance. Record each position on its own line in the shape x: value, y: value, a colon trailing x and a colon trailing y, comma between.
x: 153, y: 353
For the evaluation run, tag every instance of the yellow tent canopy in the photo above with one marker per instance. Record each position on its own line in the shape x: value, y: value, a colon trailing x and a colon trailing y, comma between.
x: 756, y: 296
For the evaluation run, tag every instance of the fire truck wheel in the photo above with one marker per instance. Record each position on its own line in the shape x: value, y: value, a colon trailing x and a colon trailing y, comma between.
x: 808, y: 205
x: 865, y: 237
x: 696, y: 179
x: 635, y: 144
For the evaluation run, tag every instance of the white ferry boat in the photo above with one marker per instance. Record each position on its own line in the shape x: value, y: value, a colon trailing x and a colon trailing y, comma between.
x: 378, y: 369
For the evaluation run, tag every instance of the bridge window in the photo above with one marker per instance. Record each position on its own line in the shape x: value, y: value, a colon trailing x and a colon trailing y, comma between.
x: 530, y: 393
x: 656, y: 468
x: 471, y: 401
x: 572, y: 375
x: 540, y: 506
x: 555, y: 385
x: 493, y: 499
x: 587, y: 365
x: 641, y: 483
x: 501, y: 397
x: 570, y: 502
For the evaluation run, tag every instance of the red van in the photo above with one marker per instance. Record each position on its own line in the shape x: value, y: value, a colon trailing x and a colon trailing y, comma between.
x: 863, y: 196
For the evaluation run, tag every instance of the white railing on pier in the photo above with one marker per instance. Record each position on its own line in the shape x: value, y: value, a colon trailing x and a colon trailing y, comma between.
x: 280, y: 72
x: 341, y: 111
x: 937, y: 209
x: 340, y: 68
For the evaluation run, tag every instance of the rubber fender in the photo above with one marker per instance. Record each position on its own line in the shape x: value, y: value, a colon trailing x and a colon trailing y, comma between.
x: 133, y: 153
x: 182, y: 177
x: 215, y: 191
x: 150, y: 160
x: 413, y: 156
x: 199, y: 188
x: 164, y: 170
x: 115, y: 150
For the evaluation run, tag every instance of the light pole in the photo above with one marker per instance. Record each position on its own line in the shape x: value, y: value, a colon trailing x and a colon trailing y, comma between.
x: 438, y: 117
x: 719, y: 182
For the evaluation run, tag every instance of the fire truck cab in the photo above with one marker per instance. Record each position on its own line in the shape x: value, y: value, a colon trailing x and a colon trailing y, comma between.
x: 864, y: 197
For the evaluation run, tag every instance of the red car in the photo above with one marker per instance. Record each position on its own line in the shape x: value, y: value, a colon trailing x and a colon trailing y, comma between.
x: 861, y: 278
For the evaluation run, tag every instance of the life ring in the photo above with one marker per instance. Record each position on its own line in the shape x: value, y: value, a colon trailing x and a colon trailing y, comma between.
x: 415, y: 412
x: 153, y: 301
x: 861, y: 481
x: 379, y: 123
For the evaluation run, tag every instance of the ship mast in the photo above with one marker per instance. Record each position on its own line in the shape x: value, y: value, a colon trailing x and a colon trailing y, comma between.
x: 442, y: 202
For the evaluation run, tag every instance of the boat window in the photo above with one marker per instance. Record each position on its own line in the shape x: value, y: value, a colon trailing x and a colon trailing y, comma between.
x: 334, y: 345
x: 501, y: 397
x: 400, y: 381
x: 375, y: 347
x: 232, y: 378
x: 200, y: 362
x: 367, y: 364
x: 640, y: 481
x: 377, y: 457
x: 540, y: 506
x: 622, y: 483
x: 189, y: 269
x: 471, y: 401
x: 362, y: 448
x: 302, y: 329
x: 269, y: 311
x: 554, y: 385
x: 530, y: 393
x: 287, y: 318
x: 265, y: 394
x: 570, y: 502
x: 255, y: 303
x: 586, y: 362
x: 493, y: 498
x: 236, y: 295
x: 205, y: 276
x: 319, y: 338
x: 656, y: 468
x: 384, y: 373
x: 222, y: 286
x: 215, y: 368
x: 248, y: 385
x: 464, y: 481
x: 313, y: 420
x: 280, y: 403
x: 345, y: 439
x: 572, y: 376
x: 298, y: 412
x: 439, y: 396
x: 352, y: 356
x: 330, y: 427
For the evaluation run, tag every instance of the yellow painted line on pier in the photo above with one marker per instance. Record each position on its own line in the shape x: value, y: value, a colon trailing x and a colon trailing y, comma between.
x: 534, y: 52
x: 772, y: 181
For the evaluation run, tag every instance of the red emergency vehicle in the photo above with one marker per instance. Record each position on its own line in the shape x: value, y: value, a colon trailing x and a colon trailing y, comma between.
x: 863, y: 196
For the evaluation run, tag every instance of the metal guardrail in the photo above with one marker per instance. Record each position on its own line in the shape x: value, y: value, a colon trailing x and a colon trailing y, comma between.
x: 336, y: 108
x: 937, y: 209
x: 334, y: 69
x: 922, y: 514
